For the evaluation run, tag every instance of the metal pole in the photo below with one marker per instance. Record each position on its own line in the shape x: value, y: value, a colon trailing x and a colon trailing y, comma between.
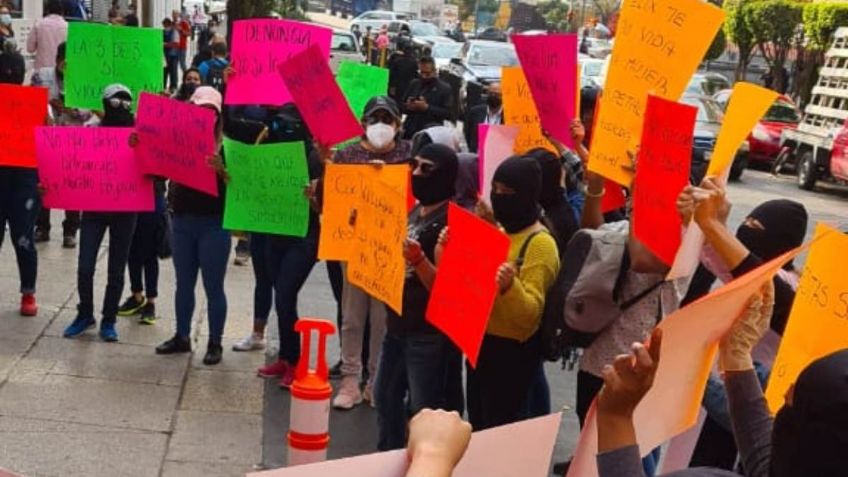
x: 476, y: 17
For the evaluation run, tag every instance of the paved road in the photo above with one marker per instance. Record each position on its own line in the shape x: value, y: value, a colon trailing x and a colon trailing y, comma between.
x: 82, y: 407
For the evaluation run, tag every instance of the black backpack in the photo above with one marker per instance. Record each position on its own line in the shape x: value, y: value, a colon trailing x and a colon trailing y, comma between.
x: 215, y: 76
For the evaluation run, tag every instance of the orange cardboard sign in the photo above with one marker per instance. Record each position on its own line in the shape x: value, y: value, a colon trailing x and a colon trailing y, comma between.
x: 520, y: 110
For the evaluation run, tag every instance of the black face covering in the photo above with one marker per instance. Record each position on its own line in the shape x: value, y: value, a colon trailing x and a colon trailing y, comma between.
x: 494, y: 101
x: 428, y: 81
x: 552, y: 193
x: 439, y: 184
x: 117, y: 117
x: 810, y: 437
x: 515, y: 212
x: 785, y: 224
x: 185, y: 91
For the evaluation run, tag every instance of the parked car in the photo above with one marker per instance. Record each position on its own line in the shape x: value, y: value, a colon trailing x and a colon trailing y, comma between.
x: 445, y: 51
x: 492, y: 34
x: 598, y: 48
x: 591, y: 70
x: 422, y: 33
x: 707, y: 126
x: 479, y: 64
x: 763, y: 143
x: 707, y: 84
x: 343, y: 46
x: 376, y: 19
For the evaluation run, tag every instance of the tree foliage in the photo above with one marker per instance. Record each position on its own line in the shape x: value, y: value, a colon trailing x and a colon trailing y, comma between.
x: 821, y: 21
x: 719, y: 43
x: 555, y: 13
x: 737, y: 32
x: 774, y: 26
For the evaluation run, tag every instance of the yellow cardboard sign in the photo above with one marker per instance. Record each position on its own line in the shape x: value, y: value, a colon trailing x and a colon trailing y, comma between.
x: 658, y: 45
x: 748, y: 103
x: 377, y: 265
x: 344, y: 187
x: 818, y: 323
x: 520, y: 110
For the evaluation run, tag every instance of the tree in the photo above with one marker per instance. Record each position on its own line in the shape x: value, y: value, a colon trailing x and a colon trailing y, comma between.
x: 820, y: 21
x: 555, y: 13
x: 736, y: 30
x: 719, y: 43
x: 605, y: 9
x: 774, y: 25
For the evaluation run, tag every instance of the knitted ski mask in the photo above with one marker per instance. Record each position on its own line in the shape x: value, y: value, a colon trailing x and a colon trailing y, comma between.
x: 785, y: 224
x: 552, y: 192
x: 810, y: 436
x: 519, y: 210
x: 439, y: 183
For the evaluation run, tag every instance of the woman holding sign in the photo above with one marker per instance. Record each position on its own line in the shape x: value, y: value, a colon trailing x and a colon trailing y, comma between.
x: 200, y: 245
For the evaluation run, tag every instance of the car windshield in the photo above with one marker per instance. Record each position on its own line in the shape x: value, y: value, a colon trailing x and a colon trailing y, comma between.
x: 708, y: 110
x: 707, y: 86
x: 491, y: 55
x: 593, y: 68
x: 343, y: 42
x: 424, y: 29
x: 781, y: 112
x: 447, y: 50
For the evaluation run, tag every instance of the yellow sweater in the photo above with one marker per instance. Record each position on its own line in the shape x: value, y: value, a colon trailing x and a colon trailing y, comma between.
x: 518, y: 312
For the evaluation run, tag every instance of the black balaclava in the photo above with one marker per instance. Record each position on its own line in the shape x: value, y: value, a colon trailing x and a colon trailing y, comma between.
x: 588, y: 102
x: 785, y: 224
x: 552, y: 193
x: 440, y: 184
x: 185, y: 91
x: 120, y: 116
x: 810, y: 437
x: 515, y: 212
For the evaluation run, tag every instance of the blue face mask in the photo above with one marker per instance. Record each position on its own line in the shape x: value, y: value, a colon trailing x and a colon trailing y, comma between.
x: 5, y: 19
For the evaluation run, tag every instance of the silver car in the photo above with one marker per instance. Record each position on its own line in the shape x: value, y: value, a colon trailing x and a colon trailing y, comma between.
x: 377, y: 19
x: 343, y: 47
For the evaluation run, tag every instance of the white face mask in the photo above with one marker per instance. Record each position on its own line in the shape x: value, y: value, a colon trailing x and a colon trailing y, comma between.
x: 380, y: 135
x: 5, y: 19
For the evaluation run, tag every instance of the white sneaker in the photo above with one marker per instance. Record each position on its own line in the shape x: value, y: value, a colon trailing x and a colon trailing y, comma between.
x: 253, y: 342
x: 368, y: 394
x: 349, y: 394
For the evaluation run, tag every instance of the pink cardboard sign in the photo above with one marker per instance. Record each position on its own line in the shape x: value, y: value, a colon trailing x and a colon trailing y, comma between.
x: 175, y: 141
x: 258, y: 47
x: 91, y: 169
x: 498, y: 147
x: 319, y: 98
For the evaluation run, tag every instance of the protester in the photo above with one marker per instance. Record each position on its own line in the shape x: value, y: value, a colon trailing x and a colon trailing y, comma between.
x: 403, y: 69
x: 558, y: 214
x: 131, y: 19
x: 491, y: 112
x: 367, y: 44
x: 191, y: 81
x: 418, y: 360
x: 212, y: 70
x: 53, y: 78
x: 382, y: 44
x: 7, y: 33
x: 46, y: 36
x: 115, y: 17
x: 170, y: 38
x: 12, y: 64
x: 290, y: 259
x: 511, y: 347
x: 380, y: 145
x: 427, y: 100
x: 437, y: 441
x: 200, y: 244
x: 117, y: 112
x: 183, y: 28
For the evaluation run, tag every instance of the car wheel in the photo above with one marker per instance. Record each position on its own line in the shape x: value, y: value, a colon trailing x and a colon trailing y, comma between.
x: 807, y: 173
x: 738, y: 167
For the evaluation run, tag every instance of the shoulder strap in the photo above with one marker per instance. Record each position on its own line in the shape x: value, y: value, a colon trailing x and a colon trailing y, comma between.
x: 639, y: 296
x: 520, y: 261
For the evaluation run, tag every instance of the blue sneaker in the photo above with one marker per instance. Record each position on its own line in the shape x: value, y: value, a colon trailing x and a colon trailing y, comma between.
x: 108, y: 333
x: 78, y: 326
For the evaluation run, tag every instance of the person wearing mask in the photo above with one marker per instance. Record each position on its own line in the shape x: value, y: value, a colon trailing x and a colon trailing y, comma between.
x: 382, y: 44
x: 46, y: 36
x: 12, y: 64
x: 183, y: 28
x: 290, y: 259
x: 200, y: 245
x: 418, y: 360
x: 403, y: 69
x: 380, y: 145
x: 205, y: 39
x: 117, y: 112
x: 557, y: 212
x: 131, y: 20
x: 212, y: 72
x: 491, y: 112
x: 191, y: 81
x: 171, y: 40
x: 7, y: 33
x: 511, y: 348
x: 427, y: 100
x: 19, y: 204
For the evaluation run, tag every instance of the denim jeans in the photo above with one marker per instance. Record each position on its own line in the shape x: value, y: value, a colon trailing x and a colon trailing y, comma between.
x: 336, y: 277
x: 263, y: 287
x: 290, y: 260
x: 144, y: 258
x: 92, y: 230
x: 539, y: 398
x: 19, y: 204
x: 200, y: 244
x: 425, y: 367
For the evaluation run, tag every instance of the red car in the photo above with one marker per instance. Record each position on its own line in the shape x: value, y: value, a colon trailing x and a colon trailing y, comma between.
x: 763, y: 143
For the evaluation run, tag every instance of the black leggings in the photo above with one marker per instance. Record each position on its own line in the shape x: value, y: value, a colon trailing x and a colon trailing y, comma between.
x: 588, y: 386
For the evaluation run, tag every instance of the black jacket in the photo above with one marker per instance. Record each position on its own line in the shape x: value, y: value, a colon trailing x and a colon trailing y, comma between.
x: 438, y: 97
x: 475, y: 117
x: 403, y: 70
x: 12, y: 68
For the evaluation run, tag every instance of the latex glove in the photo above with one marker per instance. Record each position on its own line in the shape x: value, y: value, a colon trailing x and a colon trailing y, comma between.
x: 735, y: 348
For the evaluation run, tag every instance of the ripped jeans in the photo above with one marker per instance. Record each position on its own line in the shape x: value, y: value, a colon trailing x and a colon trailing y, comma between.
x: 19, y: 206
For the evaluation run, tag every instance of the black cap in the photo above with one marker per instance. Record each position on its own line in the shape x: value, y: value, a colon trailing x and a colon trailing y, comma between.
x: 385, y: 103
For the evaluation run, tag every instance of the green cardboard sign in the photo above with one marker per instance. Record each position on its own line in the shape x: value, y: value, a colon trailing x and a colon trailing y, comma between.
x: 265, y: 191
x: 360, y: 82
x: 99, y: 55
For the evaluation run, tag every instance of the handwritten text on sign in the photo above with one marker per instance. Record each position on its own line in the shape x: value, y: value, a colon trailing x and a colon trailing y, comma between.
x: 265, y: 192
x: 91, y: 169
x: 550, y: 64
x: 664, y: 160
x: 22, y: 109
x: 175, y: 140
x: 319, y: 98
x: 465, y: 289
x: 659, y: 44
x: 259, y: 46
x: 377, y: 264
x: 519, y: 110
x: 818, y: 323
x: 100, y: 55
x: 343, y: 187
